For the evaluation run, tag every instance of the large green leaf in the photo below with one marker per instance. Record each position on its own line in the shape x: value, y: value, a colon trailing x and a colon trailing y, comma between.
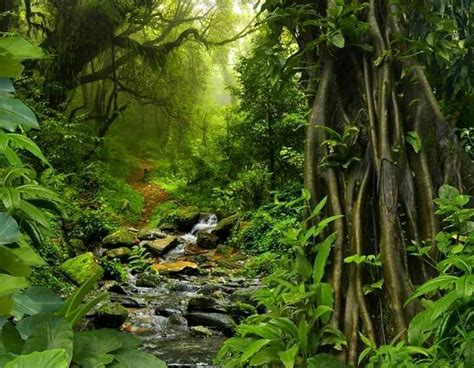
x: 136, y: 359
x: 288, y: 357
x: 14, y: 113
x: 9, y: 232
x: 18, y: 261
x: 325, y: 361
x: 96, y: 346
x: 322, y: 257
x: 10, y: 284
x: 14, y: 50
x: 253, y: 348
x: 46, y: 359
x: 51, y: 333
x: 35, y: 300
x: 11, y: 339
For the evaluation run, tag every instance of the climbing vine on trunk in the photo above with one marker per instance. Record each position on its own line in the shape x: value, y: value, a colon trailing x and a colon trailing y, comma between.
x: 378, y: 145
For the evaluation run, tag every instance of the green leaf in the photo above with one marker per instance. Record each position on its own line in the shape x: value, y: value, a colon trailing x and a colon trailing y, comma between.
x: 51, y: 358
x: 322, y: 257
x: 13, y: 51
x: 440, y: 282
x: 35, y: 300
x: 414, y: 140
x: 325, y: 361
x: 337, y: 39
x: 51, y: 333
x: 303, y: 266
x: 18, y: 261
x: 288, y: 357
x: 253, y: 348
x: 11, y: 339
x: 9, y: 232
x: 14, y: 113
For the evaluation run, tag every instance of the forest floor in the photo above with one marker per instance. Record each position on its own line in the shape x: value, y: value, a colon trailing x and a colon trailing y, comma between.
x: 152, y: 194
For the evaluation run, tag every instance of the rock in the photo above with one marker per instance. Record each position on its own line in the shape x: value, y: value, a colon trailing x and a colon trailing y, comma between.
x: 200, y: 331
x: 180, y: 267
x: 177, y: 320
x: 207, y: 240
x: 148, y: 279
x: 160, y: 247
x: 127, y: 301
x: 245, y: 295
x: 240, y: 310
x: 219, y: 272
x: 224, y: 250
x: 208, y: 289
x: 77, y: 245
x: 203, y: 303
x: 168, y: 227
x: 110, y: 315
x: 121, y: 253
x: 224, y: 227
x: 166, y: 312
x: 120, y: 238
x: 117, y: 289
x: 218, y: 321
x: 186, y: 217
x: 151, y: 234
x: 79, y: 269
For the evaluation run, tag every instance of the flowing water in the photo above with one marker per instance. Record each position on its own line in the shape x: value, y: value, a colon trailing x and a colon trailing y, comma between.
x: 162, y: 317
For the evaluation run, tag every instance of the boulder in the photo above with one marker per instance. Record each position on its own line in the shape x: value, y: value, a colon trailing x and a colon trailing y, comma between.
x: 127, y: 301
x: 166, y: 312
x: 218, y: 321
x: 121, y: 253
x: 224, y: 227
x: 120, y: 238
x: 186, y: 217
x: 201, y: 303
x: 207, y: 240
x: 77, y: 245
x: 200, y: 331
x: 180, y: 267
x: 151, y: 234
x: 110, y: 315
x: 79, y: 269
x: 148, y: 279
x: 177, y: 320
x: 168, y: 227
x: 160, y: 247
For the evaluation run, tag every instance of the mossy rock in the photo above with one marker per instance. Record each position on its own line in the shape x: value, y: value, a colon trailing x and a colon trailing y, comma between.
x: 224, y: 250
x: 120, y: 253
x: 79, y: 269
x: 186, y: 217
x: 224, y: 227
x: 110, y: 315
x: 148, y: 279
x: 207, y: 240
x: 120, y: 238
x: 77, y: 245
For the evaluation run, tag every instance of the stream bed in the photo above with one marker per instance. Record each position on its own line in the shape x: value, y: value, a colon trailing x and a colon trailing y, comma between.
x: 185, y: 317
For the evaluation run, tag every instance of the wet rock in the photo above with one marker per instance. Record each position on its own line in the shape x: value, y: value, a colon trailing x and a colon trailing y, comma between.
x: 168, y: 227
x: 177, y: 320
x: 200, y: 331
x: 151, y: 234
x: 148, y: 279
x: 218, y: 321
x: 240, y: 310
x: 180, y: 267
x: 110, y: 315
x: 186, y: 217
x: 224, y: 227
x: 219, y: 272
x: 207, y: 240
x: 117, y: 289
x: 127, y: 301
x: 203, y: 303
x: 79, y: 269
x: 208, y: 289
x: 160, y: 247
x: 166, y: 312
x: 120, y: 238
x: 121, y: 253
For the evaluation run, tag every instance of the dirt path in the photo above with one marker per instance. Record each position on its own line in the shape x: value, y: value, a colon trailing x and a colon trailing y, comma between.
x: 152, y: 193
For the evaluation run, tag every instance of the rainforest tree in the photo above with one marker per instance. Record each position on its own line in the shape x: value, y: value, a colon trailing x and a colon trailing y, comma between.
x: 377, y: 143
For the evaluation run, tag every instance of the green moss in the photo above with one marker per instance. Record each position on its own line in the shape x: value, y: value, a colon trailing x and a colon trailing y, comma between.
x: 121, y: 237
x: 80, y: 268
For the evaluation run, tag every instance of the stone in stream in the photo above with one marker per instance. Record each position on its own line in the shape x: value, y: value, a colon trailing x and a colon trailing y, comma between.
x: 224, y: 227
x: 151, y: 234
x: 81, y: 268
x: 186, y: 217
x: 120, y: 238
x: 201, y: 303
x: 148, y: 279
x: 166, y: 312
x: 127, y: 301
x: 160, y: 247
x: 179, y: 267
x: 218, y: 321
x: 200, y: 331
x: 110, y: 315
x: 177, y: 320
x: 207, y: 240
x: 121, y: 253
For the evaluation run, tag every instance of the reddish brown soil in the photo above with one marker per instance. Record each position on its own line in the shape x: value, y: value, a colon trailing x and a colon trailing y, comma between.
x: 152, y: 193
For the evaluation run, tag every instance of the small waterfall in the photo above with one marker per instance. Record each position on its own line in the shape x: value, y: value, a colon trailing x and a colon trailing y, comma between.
x: 206, y: 224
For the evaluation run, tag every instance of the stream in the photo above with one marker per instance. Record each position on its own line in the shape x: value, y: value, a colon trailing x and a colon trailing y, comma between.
x: 185, y: 317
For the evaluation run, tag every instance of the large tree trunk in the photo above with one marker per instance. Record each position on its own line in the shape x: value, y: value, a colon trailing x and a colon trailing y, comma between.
x: 386, y: 197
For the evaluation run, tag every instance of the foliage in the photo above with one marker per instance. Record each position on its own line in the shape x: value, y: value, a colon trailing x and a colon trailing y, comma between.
x: 139, y: 260
x: 261, y: 265
x: 114, y: 269
x: 295, y: 327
